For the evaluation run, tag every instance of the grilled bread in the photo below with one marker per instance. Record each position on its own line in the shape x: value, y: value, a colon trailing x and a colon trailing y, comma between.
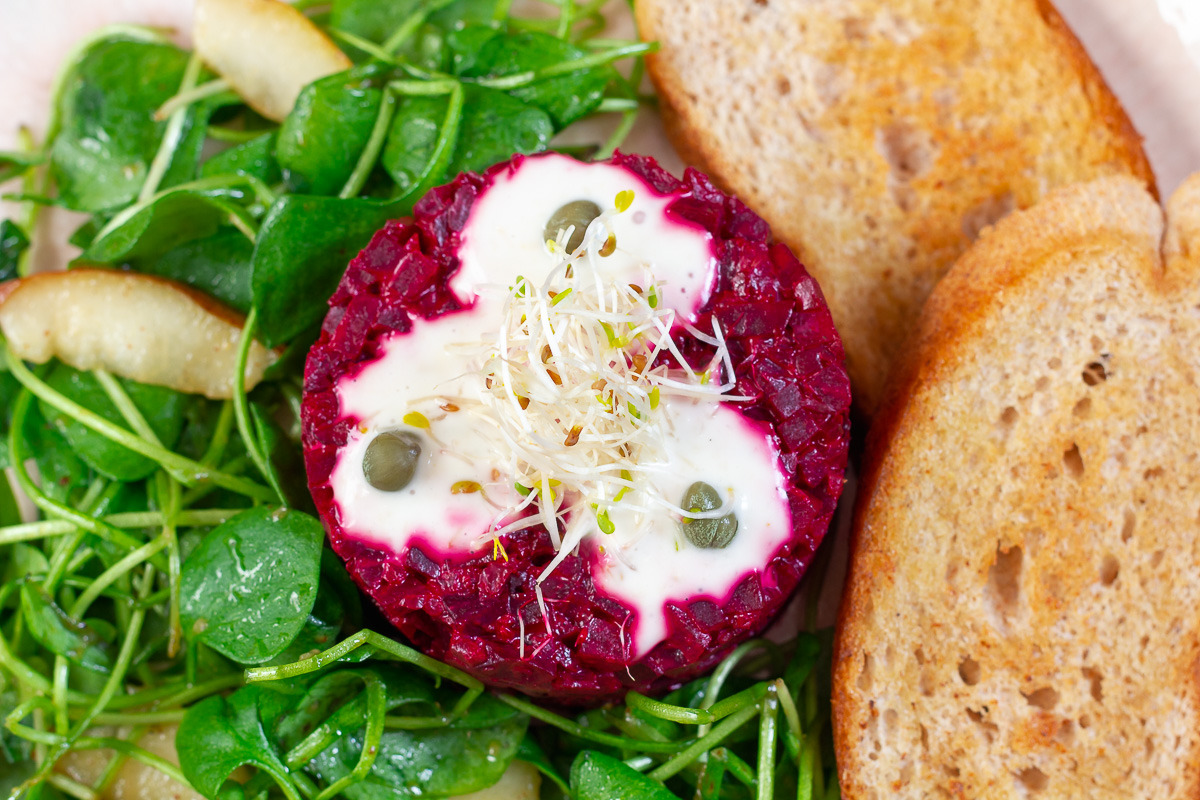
x: 1021, y: 613
x: 878, y: 137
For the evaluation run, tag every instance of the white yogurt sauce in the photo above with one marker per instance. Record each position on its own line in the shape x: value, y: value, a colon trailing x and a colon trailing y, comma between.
x: 646, y: 561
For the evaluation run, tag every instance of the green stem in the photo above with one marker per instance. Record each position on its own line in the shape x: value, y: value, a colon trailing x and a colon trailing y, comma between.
x: 241, y: 406
x: 190, y: 471
x: 705, y: 743
x: 232, y: 135
x: 202, y: 518
x: 190, y: 96
x: 220, y: 436
x: 618, y: 136
x: 567, y: 726
x: 410, y: 25
x: 370, y: 153
x: 52, y: 507
x: 566, y: 18
x: 397, y: 651
x: 172, y: 134
x: 766, y: 745
x: 519, y: 79
x: 789, y: 707
x: 367, y: 46
x: 114, y: 573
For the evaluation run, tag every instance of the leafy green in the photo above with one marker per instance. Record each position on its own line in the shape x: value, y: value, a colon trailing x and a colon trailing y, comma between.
x: 60, y: 634
x: 372, y: 20
x: 494, y: 127
x: 250, y: 586
x: 218, y: 265
x: 220, y: 734
x: 63, y: 473
x: 413, y: 140
x: 173, y: 218
x: 595, y: 776
x: 320, y: 140
x: 13, y: 242
x: 255, y: 157
x: 440, y: 762
x: 109, y: 135
x: 301, y: 253
x: 16, y: 762
x: 490, y: 127
x: 162, y: 409
x: 13, y: 164
x: 566, y: 98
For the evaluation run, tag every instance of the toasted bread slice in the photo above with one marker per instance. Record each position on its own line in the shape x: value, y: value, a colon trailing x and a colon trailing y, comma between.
x: 1021, y: 613
x: 878, y: 137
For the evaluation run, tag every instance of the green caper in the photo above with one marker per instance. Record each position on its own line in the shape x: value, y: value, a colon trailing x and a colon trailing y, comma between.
x: 579, y: 213
x: 707, y: 533
x: 391, y: 460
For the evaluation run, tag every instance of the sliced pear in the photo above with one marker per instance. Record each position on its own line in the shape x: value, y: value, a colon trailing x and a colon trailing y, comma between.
x: 267, y: 50
x: 521, y: 781
x: 137, y: 326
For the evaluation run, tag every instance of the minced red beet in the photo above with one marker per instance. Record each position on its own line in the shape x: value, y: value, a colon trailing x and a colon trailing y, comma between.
x: 467, y: 611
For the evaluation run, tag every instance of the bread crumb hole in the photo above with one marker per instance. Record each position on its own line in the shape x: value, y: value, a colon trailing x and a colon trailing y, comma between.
x: 1110, y: 567
x: 866, y: 678
x: 1043, y: 383
x: 970, y: 671
x: 907, y: 149
x: 1073, y: 462
x: 1033, y: 780
x: 988, y: 729
x: 1008, y: 419
x: 783, y: 86
x: 1085, y: 722
x: 1065, y: 735
x: 891, y: 721
x: 1045, y: 698
x: 1083, y: 409
x: 1003, y: 590
x: 1156, y: 558
x: 856, y: 29
x: 1153, y: 472
x: 1054, y: 363
x: 1096, y: 681
x: 1094, y: 374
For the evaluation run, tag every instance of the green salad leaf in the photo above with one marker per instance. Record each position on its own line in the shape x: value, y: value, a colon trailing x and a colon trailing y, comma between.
x: 319, y: 143
x: 162, y: 409
x: 13, y: 242
x: 109, y: 135
x: 230, y: 584
x: 596, y: 776
x: 301, y: 253
x: 220, y: 734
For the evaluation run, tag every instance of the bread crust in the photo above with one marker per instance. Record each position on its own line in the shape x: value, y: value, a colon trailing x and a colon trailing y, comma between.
x: 1063, y: 238
x: 877, y: 157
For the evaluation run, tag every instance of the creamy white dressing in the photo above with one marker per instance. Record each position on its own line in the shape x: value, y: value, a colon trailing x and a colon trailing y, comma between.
x: 646, y: 561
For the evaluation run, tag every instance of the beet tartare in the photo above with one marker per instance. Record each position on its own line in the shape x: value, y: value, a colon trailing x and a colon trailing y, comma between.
x: 577, y: 428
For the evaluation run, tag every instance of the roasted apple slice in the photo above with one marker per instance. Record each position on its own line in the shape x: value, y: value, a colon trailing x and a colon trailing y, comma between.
x: 267, y: 50
x: 577, y: 428
x: 137, y: 326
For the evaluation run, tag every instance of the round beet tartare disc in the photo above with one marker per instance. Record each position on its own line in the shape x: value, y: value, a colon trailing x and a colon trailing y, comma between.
x: 577, y: 428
